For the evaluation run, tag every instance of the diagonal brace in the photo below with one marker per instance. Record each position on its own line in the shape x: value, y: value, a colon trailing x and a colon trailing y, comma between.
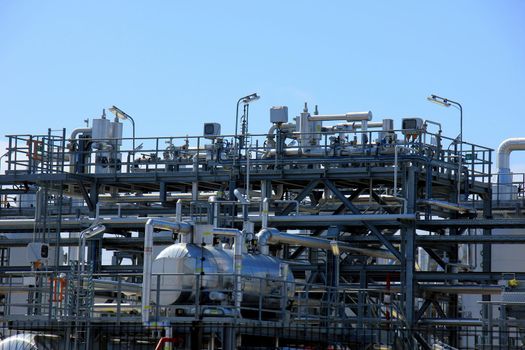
x: 318, y: 232
x: 305, y: 192
x: 356, y: 211
x: 86, y: 196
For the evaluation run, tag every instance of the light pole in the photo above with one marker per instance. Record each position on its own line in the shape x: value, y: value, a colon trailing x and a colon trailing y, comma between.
x: 447, y: 103
x: 246, y: 100
x: 124, y: 116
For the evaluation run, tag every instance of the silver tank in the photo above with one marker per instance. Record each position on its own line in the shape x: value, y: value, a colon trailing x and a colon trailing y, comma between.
x: 260, y: 274
x: 29, y: 341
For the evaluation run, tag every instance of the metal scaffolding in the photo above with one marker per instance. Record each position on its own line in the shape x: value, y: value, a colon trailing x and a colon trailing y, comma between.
x: 359, y: 212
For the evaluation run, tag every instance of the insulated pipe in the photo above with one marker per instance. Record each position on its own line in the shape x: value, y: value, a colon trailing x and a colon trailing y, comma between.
x: 504, y: 151
x: 265, y: 209
x: 238, y: 194
x: 274, y: 236
x: 350, y: 117
x: 77, y: 131
x: 356, y: 126
x: 335, y: 218
x: 86, y: 234
x: 237, y: 261
x: 178, y: 227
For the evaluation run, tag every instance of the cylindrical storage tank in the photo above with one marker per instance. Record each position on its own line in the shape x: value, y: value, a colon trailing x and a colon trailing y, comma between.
x: 261, y: 274
x: 29, y: 341
x: 116, y: 132
x: 101, y: 129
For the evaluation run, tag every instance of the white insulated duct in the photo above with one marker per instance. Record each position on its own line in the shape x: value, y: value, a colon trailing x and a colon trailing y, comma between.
x: 178, y: 227
x: 504, y: 151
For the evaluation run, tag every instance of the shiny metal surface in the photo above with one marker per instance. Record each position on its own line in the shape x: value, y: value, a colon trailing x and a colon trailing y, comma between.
x: 260, y: 274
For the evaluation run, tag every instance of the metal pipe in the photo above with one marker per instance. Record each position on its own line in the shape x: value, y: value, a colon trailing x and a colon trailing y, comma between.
x: 238, y: 194
x: 77, y: 131
x: 351, y: 116
x: 356, y: 126
x: 396, y: 147
x: 335, y: 218
x: 451, y: 321
x: 178, y: 210
x: 273, y: 236
x: 151, y: 224
x: 504, y: 151
x: 84, y: 235
x: 447, y: 205
x: 265, y: 212
x: 237, y: 261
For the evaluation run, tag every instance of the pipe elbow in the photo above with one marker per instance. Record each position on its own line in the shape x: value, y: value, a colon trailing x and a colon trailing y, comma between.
x: 238, y: 194
x: 505, y: 148
x: 263, y: 238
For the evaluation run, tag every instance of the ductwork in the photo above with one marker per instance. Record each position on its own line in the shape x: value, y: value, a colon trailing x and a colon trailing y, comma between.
x: 504, y: 151
x: 178, y: 227
x: 269, y: 236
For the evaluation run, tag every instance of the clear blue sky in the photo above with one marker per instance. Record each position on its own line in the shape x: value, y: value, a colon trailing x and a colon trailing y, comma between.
x: 174, y: 65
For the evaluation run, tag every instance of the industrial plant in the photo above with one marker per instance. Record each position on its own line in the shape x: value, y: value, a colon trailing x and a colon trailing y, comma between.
x: 323, y: 231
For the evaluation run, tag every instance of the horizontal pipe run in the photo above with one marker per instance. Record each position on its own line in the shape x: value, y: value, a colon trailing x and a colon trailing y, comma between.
x: 350, y: 117
x: 274, y: 236
x: 451, y: 321
x: 335, y: 218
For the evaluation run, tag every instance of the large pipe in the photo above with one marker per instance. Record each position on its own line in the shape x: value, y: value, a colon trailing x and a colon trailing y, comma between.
x: 77, y: 131
x: 349, y: 117
x: 237, y: 261
x: 151, y: 224
x: 504, y: 151
x: 273, y: 236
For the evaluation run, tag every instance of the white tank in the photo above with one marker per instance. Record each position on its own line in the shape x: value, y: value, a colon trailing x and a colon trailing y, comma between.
x: 101, y: 129
x: 29, y: 341
x: 185, y: 259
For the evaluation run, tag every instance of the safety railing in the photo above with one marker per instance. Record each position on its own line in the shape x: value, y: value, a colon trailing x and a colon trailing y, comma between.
x: 275, y: 307
x: 258, y: 152
x: 508, y: 187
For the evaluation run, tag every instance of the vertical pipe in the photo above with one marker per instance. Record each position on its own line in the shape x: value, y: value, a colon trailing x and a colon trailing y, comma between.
x: 195, y: 184
x: 265, y: 210
x: 146, y: 274
x: 178, y: 211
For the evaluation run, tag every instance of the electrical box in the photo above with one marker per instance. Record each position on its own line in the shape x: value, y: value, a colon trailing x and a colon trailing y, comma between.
x: 412, y: 126
x: 37, y: 251
x: 212, y: 130
x: 279, y: 114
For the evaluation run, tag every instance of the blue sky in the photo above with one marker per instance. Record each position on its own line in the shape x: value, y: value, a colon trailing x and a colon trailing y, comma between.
x: 174, y: 65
